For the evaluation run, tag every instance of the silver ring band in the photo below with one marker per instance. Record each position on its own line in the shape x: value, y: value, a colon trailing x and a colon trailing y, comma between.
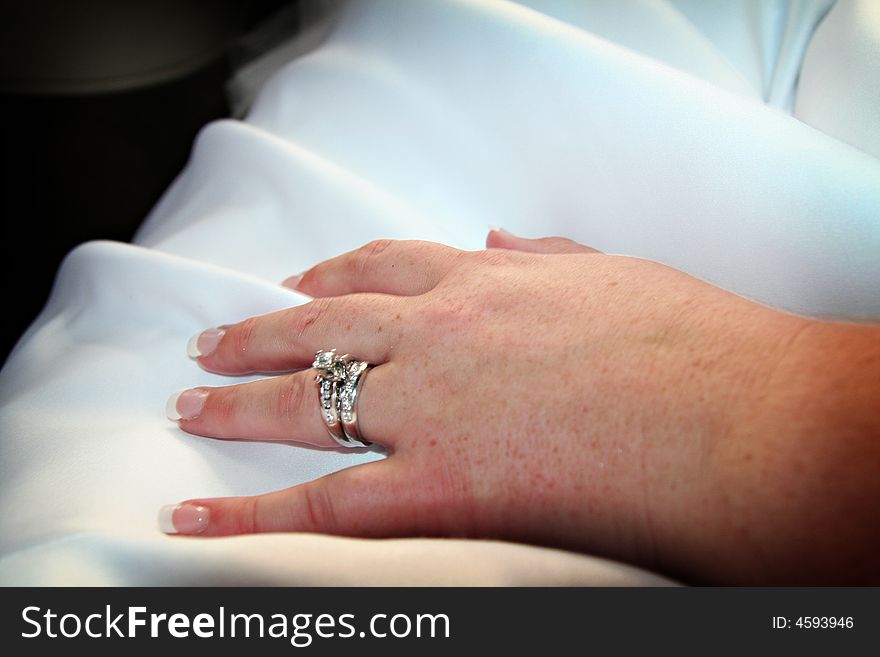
x: 348, y: 395
x: 339, y: 383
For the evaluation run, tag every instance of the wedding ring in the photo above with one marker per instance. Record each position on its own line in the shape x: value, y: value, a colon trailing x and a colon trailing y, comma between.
x: 348, y: 394
x: 340, y: 381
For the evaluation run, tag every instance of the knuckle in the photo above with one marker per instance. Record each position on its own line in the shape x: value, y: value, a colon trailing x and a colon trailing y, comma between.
x: 243, y: 336
x: 249, y: 515
x: 310, y: 317
x: 446, y: 317
x: 365, y: 258
x: 318, y: 511
x: 446, y: 496
x: 222, y: 404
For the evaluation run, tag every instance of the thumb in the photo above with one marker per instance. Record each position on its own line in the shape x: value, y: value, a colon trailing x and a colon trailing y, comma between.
x: 499, y: 238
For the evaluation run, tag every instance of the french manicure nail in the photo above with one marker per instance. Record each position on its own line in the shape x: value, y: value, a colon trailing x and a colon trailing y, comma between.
x: 202, y: 344
x: 292, y: 281
x: 184, y: 518
x: 185, y: 405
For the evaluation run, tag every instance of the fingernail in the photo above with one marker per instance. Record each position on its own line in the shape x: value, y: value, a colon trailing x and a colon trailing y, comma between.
x: 185, y: 405
x: 496, y: 229
x: 292, y: 282
x: 202, y: 344
x: 184, y: 518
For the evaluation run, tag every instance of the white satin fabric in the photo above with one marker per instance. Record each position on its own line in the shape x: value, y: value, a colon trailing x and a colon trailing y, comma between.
x: 653, y: 128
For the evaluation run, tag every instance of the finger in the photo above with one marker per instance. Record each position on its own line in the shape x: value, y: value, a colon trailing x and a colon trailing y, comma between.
x: 384, y: 498
x: 360, y: 501
x: 365, y: 326
x: 499, y: 238
x: 281, y: 408
x: 405, y: 268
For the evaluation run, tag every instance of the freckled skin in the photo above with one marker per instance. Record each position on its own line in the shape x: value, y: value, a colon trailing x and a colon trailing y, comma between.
x: 541, y: 391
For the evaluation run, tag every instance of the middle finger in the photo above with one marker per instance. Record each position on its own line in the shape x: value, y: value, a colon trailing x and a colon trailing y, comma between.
x: 367, y: 326
x: 282, y: 408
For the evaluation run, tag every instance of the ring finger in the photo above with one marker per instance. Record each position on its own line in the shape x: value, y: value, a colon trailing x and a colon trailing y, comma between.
x: 281, y: 408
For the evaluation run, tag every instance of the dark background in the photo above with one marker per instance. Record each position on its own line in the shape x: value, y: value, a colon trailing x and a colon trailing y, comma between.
x: 100, y: 101
x: 482, y: 621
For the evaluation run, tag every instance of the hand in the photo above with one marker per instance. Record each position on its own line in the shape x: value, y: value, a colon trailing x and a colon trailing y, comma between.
x: 537, y: 391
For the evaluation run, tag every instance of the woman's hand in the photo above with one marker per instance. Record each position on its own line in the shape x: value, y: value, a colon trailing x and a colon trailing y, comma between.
x: 536, y: 391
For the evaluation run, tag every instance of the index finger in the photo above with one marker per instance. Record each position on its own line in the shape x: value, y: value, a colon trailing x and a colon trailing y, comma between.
x: 404, y: 268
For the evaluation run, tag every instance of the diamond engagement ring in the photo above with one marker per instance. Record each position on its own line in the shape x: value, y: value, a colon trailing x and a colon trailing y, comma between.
x: 331, y: 369
x: 339, y: 383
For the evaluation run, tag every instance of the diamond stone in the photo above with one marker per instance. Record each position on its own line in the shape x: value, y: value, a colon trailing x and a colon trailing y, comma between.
x: 346, y: 398
x: 323, y: 360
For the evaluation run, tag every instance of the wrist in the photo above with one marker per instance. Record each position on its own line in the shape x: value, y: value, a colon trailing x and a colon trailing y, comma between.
x: 797, y: 483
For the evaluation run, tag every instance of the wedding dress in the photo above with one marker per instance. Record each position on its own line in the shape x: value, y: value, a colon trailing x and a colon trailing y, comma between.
x: 737, y: 141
